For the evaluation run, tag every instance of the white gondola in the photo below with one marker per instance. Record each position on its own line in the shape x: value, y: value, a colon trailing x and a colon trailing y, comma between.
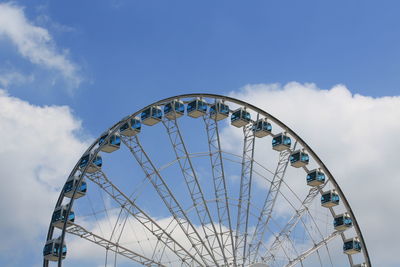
x: 151, y: 115
x: 352, y: 246
x: 94, y: 166
x: 196, y: 108
x: 315, y: 178
x: 360, y: 265
x: 131, y: 127
x: 262, y: 128
x: 53, y: 248
x: 113, y: 143
x: 329, y: 199
x: 342, y: 222
x: 281, y: 142
x: 174, y: 109
x: 70, y: 185
x: 299, y: 159
x: 219, y: 111
x: 240, y: 117
x: 59, y: 216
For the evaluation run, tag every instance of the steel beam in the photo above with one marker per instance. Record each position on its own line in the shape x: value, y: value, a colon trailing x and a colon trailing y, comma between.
x: 144, y: 219
x: 160, y: 185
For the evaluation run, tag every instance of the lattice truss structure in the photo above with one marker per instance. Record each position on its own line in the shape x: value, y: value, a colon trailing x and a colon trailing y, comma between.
x: 202, y: 180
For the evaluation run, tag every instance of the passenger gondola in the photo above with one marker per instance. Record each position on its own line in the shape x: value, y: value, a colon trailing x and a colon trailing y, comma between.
x: 70, y: 185
x: 240, y: 117
x: 112, y: 144
x: 315, y: 178
x: 151, y: 115
x: 352, y: 246
x: 329, y: 199
x: 299, y: 159
x: 174, y: 109
x: 342, y: 222
x: 196, y: 108
x: 219, y: 111
x: 59, y: 217
x: 262, y: 128
x: 131, y: 127
x: 281, y: 142
x: 94, y: 166
x: 53, y: 248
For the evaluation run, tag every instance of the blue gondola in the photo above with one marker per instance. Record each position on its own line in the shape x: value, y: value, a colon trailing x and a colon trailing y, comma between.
x: 196, y: 108
x: 174, y: 109
x: 299, y: 159
x: 329, y: 199
x: 219, y: 111
x: 70, y: 186
x: 94, y: 166
x: 131, y: 127
x: 59, y: 216
x: 151, y: 116
x: 53, y: 248
x: 352, y: 246
x: 315, y: 178
x: 262, y: 128
x: 342, y: 222
x: 113, y: 143
x: 281, y: 142
x: 240, y: 117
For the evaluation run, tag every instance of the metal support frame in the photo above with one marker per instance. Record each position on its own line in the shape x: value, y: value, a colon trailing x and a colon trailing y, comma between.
x: 244, y: 195
x: 78, y: 230
x: 194, y: 188
x: 317, y: 246
x: 169, y: 200
x: 220, y: 187
x: 269, y: 203
x: 287, y: 230
x: 130, y: 206
x: 255, y: 109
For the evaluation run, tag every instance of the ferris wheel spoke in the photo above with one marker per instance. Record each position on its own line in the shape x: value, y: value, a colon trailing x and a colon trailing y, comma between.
x: 144, y: 219
x: 245, y: 193
x: 195, y: 191
x: 273, y: 234
x: 310, y: 251
x: 269, y: 203
x: 220, y: 187
x: 78, y: 230
x: 169, y: 200
x: 286, y: 231
x: 288, y: 240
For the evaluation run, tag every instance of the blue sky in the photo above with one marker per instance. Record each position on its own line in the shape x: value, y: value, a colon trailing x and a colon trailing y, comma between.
x: 134, y: 52
x: 94, y: 62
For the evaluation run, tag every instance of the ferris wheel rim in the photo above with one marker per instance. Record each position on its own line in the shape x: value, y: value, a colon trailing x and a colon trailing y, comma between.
x: 241, y: 103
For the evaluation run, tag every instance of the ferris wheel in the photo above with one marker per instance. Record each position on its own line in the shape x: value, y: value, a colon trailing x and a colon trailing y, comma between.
x: 202, y: 180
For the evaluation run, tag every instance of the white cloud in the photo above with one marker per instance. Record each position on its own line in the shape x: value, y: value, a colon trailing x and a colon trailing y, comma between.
x: 13, y: 77
x: 35, y: 43
x: 39, y: 147
x: 358, y: 139
x: 46, y: 20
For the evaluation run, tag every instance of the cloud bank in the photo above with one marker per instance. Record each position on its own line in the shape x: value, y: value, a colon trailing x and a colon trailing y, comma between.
x: 39, y: 147
x: 358, y: 139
